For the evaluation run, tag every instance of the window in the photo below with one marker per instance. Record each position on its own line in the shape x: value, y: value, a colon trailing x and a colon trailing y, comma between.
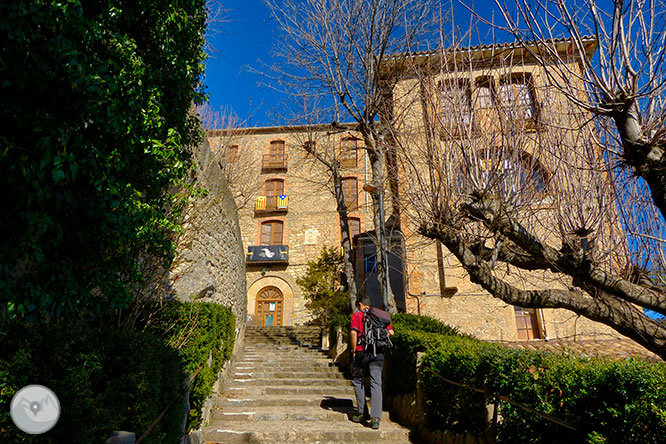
x: 517, y: 97
x: 275, y: 157
x: 350, y: 192
x: 271, y: 233
x: 273, y: 187
x: 527, y: 322
x: 276, y: 149
x: 354, y: 226
x: 232, y: 154
x: 455, y: 104
x: 371, y: 264
x: 349, y: 156
x: 485, y: 92
x: 511, y: 174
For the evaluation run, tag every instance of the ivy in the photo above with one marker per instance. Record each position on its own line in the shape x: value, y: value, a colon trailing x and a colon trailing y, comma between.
x: 95, y: 132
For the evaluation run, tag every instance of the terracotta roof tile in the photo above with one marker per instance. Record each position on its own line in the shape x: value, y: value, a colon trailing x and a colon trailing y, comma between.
x: 611, y: 348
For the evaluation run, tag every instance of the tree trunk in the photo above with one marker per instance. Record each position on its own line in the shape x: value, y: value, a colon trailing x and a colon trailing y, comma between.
x: 345, y: 237
x: 377, y: 168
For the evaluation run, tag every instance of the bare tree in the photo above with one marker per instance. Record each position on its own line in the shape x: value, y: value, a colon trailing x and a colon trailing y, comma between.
x: 242, y: 172
x: 550, y: 192
x: 336, y: 50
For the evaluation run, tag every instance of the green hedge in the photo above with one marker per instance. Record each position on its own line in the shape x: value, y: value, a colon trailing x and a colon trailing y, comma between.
x: 198, y: 331
x: 413, y: 334
x: 607, y: 401
x: 113, y: 380
x: 406, y: 321
x: 105, y: 380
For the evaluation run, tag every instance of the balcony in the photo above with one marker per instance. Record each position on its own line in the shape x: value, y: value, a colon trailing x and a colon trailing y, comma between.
x: 271, y: 204
x: 267, y: 254
x: 274, y: 162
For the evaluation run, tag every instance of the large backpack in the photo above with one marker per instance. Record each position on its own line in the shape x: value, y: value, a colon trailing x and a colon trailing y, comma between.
x: 375, y: 334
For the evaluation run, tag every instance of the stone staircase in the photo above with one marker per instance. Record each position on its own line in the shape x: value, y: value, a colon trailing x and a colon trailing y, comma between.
x: 286, y: 390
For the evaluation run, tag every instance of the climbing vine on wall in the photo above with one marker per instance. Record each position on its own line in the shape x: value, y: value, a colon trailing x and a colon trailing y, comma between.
x: 95, y: 126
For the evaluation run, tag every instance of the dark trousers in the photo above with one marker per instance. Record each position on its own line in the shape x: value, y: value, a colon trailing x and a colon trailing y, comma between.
x: 361, y: 367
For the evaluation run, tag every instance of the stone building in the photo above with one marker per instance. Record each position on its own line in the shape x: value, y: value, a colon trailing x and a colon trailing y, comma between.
x: 483, y: 99
x: 291, y: 211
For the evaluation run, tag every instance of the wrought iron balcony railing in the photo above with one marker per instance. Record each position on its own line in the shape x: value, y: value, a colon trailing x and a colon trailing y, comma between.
x: 274, y: 162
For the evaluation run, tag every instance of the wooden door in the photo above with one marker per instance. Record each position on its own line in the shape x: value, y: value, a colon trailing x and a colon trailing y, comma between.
x: 350, y: 192
x: 269, y: 307
x: 272, y: 189
x: 275, y: 156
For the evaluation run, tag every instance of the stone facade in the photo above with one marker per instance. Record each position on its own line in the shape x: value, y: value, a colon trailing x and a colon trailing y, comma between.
x: 309, y: 222
x: 436, y: 283
x: 209, y: 265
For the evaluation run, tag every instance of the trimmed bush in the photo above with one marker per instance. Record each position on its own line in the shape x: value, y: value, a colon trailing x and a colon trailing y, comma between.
x: 110, y: 380
x: 199, y: 331
x: 413, y: 334
x: 406, y: 321
x: 340, y: 320
x: 607, y: 401
x: 105, y: 380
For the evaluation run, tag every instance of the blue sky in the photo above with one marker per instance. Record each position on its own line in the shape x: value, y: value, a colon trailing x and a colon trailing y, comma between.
x: 244, y: 39
x: 243, y: 42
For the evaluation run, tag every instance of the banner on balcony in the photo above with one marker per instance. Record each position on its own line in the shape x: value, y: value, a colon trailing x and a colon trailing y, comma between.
x: 267, y: 253
x: 282, y: 201
x: 261, y: 203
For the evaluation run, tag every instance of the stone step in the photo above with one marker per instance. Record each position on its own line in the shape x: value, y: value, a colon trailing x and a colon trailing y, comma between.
x: 283, y: 343
x: 327, y: 372
x: 253, y: 391
x: 252, y: 330
x: 287, y: 413
x: 273, y: 364
x: 284, y: 348
x: 285, y: 355
x: 319, y: 382
x: 286, y: 401
x: 309, y: 367
x: 298, y: 432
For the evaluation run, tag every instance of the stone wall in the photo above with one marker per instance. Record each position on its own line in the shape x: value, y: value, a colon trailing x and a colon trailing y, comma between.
x: 210, y: 264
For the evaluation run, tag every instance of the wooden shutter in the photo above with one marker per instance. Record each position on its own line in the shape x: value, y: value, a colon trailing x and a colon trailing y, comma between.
x: 350, y: 192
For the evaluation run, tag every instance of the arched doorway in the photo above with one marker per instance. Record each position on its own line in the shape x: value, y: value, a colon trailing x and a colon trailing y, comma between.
x: 269, y: 307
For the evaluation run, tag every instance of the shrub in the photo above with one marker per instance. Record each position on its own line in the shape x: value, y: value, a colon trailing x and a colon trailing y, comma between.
x: 342, y: 321
x: 198, y: 331
x: 406, y: 321
x: 114, y: 380
x: 105, y: 380
x: 413, y: 334
x: 613, y: 401
x: 322, y: 287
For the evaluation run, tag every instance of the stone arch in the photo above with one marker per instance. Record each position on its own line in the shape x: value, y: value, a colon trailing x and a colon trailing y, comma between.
x: 263, y: 283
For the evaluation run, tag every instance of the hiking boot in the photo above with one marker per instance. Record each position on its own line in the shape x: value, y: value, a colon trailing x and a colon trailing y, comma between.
x: 357, y: 417
x: 374, y: 423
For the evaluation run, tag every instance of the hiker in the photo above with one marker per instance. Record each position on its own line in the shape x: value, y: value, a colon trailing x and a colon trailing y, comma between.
x: 368, y: 358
